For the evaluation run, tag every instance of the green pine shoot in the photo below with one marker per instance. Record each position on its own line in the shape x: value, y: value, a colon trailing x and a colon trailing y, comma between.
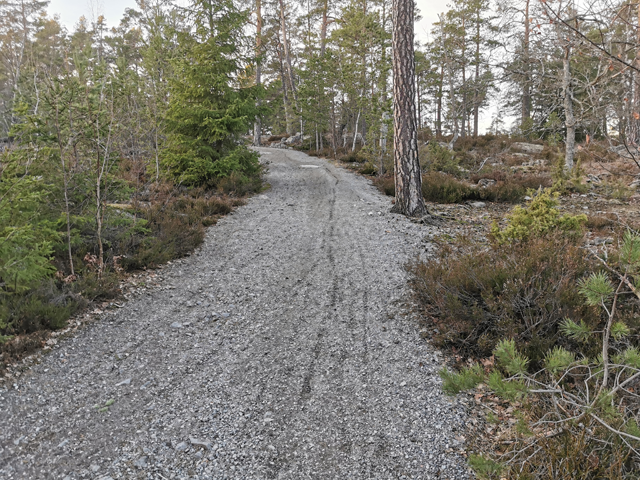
x: 558, y: 360
x: 577, y: 331
x: 508, y: 357
x: 597, y: 288
x: 466, y: 379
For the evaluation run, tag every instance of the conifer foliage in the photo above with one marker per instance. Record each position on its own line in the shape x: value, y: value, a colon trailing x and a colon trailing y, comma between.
x: 210, y: 105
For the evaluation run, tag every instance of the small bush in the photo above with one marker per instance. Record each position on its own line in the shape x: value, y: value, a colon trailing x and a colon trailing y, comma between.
x: 352, y: 157
x: 524, y: 291
x: 93, y: 287
x: 441, y: 188
x: 368, y: 169
x: 47, y: 306
x: 386, y: 185
x: 238, y: 184
x: 436, y: 158
x: 540, y: 217
x: 599, y: 222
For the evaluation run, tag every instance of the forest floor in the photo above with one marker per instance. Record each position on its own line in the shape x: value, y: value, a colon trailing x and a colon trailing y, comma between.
x: 285, y: 347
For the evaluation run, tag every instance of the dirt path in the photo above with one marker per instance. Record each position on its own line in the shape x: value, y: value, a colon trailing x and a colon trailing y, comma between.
x: 278, y: 350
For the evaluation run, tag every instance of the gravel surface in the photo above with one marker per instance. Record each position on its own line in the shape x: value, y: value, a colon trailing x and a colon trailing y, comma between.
x: 281, y: 349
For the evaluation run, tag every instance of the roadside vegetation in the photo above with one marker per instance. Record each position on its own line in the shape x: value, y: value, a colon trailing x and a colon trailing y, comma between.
x: 538, y: 308
x: 115, y: 159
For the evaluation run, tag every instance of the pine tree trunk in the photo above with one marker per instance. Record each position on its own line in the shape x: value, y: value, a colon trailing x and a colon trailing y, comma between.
x: 408, y: 179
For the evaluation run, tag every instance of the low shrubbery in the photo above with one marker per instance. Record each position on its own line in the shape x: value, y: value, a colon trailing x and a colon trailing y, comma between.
x: 439, y: 187
x: 167, y: 223
x: 557, y: 330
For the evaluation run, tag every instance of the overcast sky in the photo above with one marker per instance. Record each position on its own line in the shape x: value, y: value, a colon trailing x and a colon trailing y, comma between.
x: 71, y: 10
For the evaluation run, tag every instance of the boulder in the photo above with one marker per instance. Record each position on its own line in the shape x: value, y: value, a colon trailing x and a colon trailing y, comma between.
x: 528, y: 147
x: 486, y: 182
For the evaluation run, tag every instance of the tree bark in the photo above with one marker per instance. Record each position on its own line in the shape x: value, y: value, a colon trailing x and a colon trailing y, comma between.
x: 634, y: 121
x: 476, y: 96
x: 257, y: 126
x: 408, y: 179
x: 570, y: 122
x: 526, y: 87
x: 323, y: 30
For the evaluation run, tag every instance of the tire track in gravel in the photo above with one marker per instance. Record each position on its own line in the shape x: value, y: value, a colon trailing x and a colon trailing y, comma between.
x: 314, y: 370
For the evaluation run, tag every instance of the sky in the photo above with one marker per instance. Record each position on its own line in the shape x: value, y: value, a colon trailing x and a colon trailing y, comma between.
x: 71, y: 10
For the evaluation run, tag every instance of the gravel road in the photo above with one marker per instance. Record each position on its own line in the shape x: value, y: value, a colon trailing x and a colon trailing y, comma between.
x: 280, y: 349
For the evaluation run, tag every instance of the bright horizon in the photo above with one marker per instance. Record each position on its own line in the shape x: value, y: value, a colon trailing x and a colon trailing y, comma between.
x: 70, y: 12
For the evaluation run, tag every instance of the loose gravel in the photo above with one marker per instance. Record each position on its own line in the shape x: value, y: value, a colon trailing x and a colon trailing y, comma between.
x: 283, y: 348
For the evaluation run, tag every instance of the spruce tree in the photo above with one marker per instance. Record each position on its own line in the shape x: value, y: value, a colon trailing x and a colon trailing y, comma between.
x: 209, y: 108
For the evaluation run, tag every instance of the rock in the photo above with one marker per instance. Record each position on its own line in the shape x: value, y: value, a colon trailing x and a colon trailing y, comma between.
x: 602, y: 240
x: 225, y: 315
x: 63, y: 443
x: 528, y: 198
x: 124, y: 382
x: 94, y: 468
x: 528, y: 147
x: 182, y: 447
x: 477, y: 204
x: 200, y: 443
x: 176, y: 325
x: 486, y: 182
x: 593, y: 178
x: 141, y: 462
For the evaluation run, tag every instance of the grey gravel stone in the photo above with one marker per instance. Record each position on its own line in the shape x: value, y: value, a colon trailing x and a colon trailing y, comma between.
x: 124, y: 382
x: 182, y: 447
x: 176, y: 325
x: 301, y: 381
x: 200, y: 443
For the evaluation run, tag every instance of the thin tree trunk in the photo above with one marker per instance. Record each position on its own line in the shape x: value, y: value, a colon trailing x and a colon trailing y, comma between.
x: 526, y: 87
x: 408, y: 181
x: 634, y: 119
x: 568, y: 109
x: 464, y: 80
x: 355, y: 134
x: 287, y: 54
x: 285, y: 96
x: 65, y: 184
x: 323, y: 30
x: 257, y: 126
x: 439, y: 103
x: 476, y: 99
x: 452, y: 103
